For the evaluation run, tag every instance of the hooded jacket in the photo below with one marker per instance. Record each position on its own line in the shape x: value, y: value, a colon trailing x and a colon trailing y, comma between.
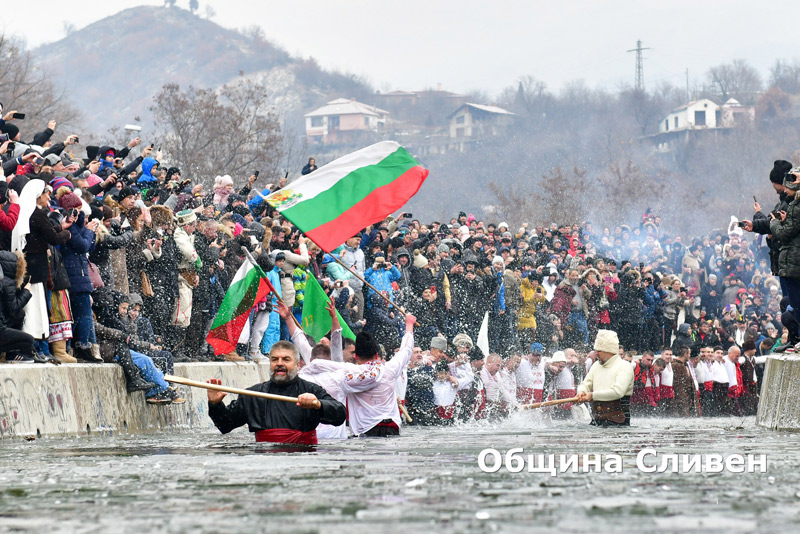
x: 147, y: 180
x: 13, y: 297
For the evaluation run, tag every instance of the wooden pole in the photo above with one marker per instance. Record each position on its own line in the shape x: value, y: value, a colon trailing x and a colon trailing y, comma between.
x: 227, y: 389
x: 548, y: 403
x: 405, y: 414
x: 355, y: 273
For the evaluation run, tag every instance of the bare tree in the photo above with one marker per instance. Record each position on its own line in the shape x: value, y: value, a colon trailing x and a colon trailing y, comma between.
x: 208, y: 133
x: 194, y: 5
x: 737, y: 79
x: 25, y: 87
x: 785, y: 76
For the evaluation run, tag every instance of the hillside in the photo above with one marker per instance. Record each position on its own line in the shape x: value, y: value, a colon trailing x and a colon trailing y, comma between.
x: 113, y: 67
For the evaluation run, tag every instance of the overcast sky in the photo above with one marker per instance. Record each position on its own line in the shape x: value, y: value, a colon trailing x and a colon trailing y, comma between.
x: 479, y: 45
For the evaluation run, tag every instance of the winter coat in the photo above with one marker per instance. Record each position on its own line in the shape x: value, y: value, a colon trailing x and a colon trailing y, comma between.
x: 108, y: 241
x: 41, y: 236
x: 761, y: 225
x: 147, y: 180
x: 13, y: 297
x: 381, y: 279
x: 788, y: 232
x: 75, y: 253
x: 532, y: 298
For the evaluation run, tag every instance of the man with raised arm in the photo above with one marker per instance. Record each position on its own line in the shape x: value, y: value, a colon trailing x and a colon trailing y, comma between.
x: 370, y: 389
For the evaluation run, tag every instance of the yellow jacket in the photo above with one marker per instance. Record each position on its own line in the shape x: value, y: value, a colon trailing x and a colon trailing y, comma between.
x: 530, y: 300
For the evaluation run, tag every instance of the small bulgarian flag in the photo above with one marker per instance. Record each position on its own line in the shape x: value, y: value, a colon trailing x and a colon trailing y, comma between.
x: 337, y: 201
x: 249, y: 286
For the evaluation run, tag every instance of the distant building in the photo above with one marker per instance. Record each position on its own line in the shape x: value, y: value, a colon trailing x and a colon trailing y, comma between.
x: 475, y: 121
x: 694, y: 115
x: 734, y: 114
x: 344, y: 121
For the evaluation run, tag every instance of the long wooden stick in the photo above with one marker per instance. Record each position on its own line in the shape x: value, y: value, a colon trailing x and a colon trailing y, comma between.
x: 355, y: 273
x: 227, y: 389
x: 405, y: 413
x: 548, y: 403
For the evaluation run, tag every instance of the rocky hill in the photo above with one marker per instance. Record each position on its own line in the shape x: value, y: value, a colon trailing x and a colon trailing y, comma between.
x: 112, y: 68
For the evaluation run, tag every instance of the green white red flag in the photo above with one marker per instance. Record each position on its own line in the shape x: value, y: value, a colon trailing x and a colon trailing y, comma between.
x: 337, y: 201
x: 249, y: 286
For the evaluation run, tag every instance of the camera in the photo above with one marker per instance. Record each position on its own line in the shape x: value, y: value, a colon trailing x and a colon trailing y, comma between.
x: 3, y: 138
x: 741, y: 224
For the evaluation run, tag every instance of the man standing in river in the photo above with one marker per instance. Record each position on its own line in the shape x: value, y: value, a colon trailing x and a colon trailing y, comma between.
x: 609, y: 384
x: 278, y: 421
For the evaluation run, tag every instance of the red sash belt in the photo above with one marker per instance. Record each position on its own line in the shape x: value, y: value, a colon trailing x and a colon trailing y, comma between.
x: 524, y: 395
x: 667, y: 392
x: 446, y: 412
x: 565, y: 394
x: 285, y: 435
x: 709, y: 385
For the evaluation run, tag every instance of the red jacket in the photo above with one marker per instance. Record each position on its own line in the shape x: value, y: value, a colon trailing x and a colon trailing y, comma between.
x: 9, y: 220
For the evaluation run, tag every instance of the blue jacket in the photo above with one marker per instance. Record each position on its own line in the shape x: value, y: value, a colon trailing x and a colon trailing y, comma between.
x: 147, y: 179
x: 255, y: 202
x: 500, y: 296
x: 382, y: 280
x: 75, y: 254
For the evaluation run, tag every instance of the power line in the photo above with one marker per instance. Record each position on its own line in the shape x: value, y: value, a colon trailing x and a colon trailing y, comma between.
x: 639, y: 65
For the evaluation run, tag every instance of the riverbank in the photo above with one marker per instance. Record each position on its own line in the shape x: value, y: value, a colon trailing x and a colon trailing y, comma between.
x: 84, y: 399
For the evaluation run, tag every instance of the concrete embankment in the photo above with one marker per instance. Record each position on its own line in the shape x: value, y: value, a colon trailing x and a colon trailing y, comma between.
x: 778, y: 407
x: 79, y: 399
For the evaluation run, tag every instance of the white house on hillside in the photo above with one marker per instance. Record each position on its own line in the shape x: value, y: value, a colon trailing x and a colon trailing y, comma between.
x: 694, y: 115
x: 476, y: 120
x: 343, y: 120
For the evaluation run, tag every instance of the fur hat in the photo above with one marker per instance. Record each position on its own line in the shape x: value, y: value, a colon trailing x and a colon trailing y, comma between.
x: 439, y: 342
x: 606, y: 341
x: 161, y: 216
x: 462, y: 339
x: 748, y: 345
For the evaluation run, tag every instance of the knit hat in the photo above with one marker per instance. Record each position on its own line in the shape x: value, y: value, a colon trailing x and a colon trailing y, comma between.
x: 748, y: 345
x: 366, y: 346
x: 779, y: 170
x: 537, y: 348
x: 93, y: 179
x: 185, y: 217
x: 70, y: 201
x: 606, y: 341
x: 443, y: 248
x: 439, y: 343
x: 420, y: 261
x: 52, y: 160
x: 9, y: 129
x: 60, y: 181
x: 125, y: 192
x: 498, y: 259
x: 560, y: 357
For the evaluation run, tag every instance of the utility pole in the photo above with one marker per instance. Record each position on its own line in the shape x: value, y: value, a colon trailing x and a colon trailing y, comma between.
x: 688, y: 94
x: 639, y: 65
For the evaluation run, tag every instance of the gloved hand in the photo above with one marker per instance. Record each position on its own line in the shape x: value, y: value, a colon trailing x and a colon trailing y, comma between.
x: 198, y: 264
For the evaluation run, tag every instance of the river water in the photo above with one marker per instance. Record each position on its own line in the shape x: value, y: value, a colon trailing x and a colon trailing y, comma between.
x: 426, y: 481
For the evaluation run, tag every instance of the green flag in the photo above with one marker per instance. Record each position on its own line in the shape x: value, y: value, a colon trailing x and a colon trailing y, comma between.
x: 316, y: 319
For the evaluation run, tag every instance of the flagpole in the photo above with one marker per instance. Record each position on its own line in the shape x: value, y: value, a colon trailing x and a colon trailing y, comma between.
x: 253, y: 261
x: 355, y: 273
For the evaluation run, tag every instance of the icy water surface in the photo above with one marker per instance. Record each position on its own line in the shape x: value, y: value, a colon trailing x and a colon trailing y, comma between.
x: 426, y: 481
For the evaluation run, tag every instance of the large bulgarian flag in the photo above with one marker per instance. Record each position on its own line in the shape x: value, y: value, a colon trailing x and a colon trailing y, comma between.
x: 337, y: 201
x: 249, y: 286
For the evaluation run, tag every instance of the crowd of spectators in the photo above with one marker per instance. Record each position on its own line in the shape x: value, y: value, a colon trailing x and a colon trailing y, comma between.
x: 111, y: 254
